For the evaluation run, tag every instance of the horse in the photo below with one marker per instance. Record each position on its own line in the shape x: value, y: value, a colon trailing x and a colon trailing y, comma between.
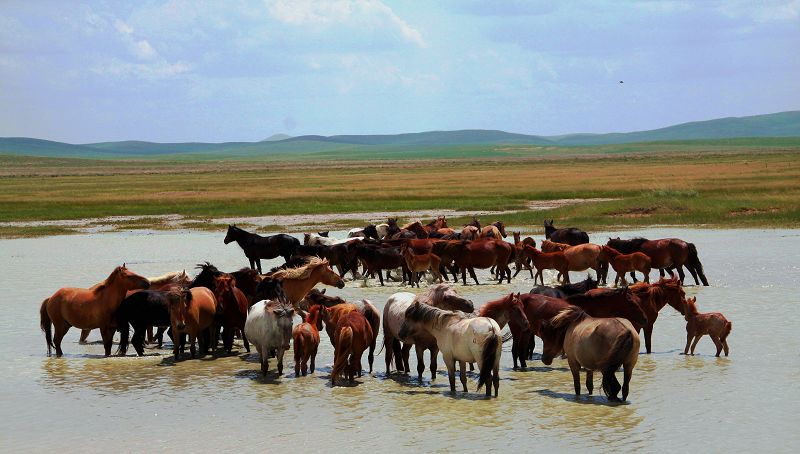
x: 520, y: 259
x: 417, y: 228
x: 234, y: 310
x: 666, y: 253
x: 246, y: 279
x: 352, y: 336
x: 342, y: 255
x: 712, y: 323
x: 469, y: 233
x: 581, y: 257
x: 569, y: 235
x: 269, y: 327
x: 461, y: 338
x: 539, y: 308
x: 565, y: 290
x: 468, y: 255
x: 590, y: 343
x: 442, y: 296
x: 496, y: 229
x: 420, y: 263
x: 296, y: 282
x: 87, y: 309
x: 257, y: 247
x: 306, y: 341
x: 624, y: 263
x: 142, y: 310
x: 311, y: 239
x: 510, y: 310
x: 604, y: 302
x: 337, y: 307
x: 653, y: 297
x: 548, y: 261
x: 377, y: 259
x: 192, y: 311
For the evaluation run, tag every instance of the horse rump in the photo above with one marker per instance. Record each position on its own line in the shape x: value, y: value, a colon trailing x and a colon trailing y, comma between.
x: 619, y: 352
x: 46, y: 324
x: 342, y: 352
x: 488, y: 359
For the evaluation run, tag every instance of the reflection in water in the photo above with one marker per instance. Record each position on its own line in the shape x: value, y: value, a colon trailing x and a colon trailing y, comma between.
x: 676, y: 402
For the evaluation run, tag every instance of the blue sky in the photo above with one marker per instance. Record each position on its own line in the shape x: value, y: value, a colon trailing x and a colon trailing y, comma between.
x: 243, y: 70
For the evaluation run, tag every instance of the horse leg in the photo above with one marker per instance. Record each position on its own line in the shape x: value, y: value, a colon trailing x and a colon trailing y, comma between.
x: 648, y: 336
x: 107, y: 334
x: 451, y: 373
x: 313, y: 359
x: 717, y: 344
x: 627, y: 372
x: 464, y: 275
x: 281, y: 351
x: 380, y: 276
x: 406, y: 354
x: 694, y: 274
x: 680, y: 273
x: 192, y: 349
x: 59, y: 331
x: 696, y: 340
x: 420, y: 360
x: 397, y: 351
x: 434, y: 356
x: 150, y: 336
x: 84, y: 336
x: 633, y: 276
x: 531, y: 346
x: 496, y: 378
x: 589, y: 383
x: 245, y: 342
x: 688, y: 343
x: 463, y: 375
x: 138, y: 341
x: 576, y: 375
x: 646, y: 273
x: 160, y: 336
x: 472, y: 273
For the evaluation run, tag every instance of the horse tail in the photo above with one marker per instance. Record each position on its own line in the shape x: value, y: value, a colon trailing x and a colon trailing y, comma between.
x: 343, y: 348
x: 726, y: 330
x: 488, y: 359
x: 619, y: 352
x: 694, y: 262
x: 46, y: 324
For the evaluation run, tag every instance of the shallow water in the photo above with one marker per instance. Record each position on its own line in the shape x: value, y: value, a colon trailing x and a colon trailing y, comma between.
x: 84, y: 401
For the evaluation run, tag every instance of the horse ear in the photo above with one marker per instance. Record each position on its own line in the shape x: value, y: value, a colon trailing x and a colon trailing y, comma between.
x: 323, y: 291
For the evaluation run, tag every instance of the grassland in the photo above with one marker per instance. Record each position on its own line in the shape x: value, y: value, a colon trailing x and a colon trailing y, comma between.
x: 735, y: 183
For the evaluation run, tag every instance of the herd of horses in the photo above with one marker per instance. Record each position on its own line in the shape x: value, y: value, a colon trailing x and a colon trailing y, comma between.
x: 596, y: 329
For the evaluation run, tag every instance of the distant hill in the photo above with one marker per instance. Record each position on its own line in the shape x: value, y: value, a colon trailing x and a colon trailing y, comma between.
x: 451, y: 144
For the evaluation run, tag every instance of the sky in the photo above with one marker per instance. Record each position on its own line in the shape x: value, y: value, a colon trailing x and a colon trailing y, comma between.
x: 240, y: 70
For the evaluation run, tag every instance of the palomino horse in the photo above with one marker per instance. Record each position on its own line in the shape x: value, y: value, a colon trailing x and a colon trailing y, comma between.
x: 653, y: 297
x: 462, y: 338
x: 306, y: 340
x: 556, y: 260
x: 468, y: 255
x: 234, y: 306
x: 442, y: 296
x: 590, y: 343
x: 352, y: 336
x: 569, y: 235
x: 510, y: 310
x: 192, y: 311
x: 87, y: 309
x: 338, y: 307
x: 420, y: 263
x: 257, y: 247
x: 665, y: 254
x: 581, y: 257
x: 626, y: 263
x: 712, y: 323
x: 269, y: 327
x: 496, y: 229
x: 298, y: 281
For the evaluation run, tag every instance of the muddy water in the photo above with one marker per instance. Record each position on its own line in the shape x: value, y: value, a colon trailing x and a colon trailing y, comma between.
x: 84, y: 401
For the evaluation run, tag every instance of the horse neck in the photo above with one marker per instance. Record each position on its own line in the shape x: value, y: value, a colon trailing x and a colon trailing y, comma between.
x: 243, y: 238
x: 112, y: 291
x: 296, y: 289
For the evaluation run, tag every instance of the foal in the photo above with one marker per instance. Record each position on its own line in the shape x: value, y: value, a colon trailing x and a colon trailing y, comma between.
x: 548, y: 261
x: 627, y: 263
x: 712, y: 323
x: 420, y: 263
x: 306, y: 340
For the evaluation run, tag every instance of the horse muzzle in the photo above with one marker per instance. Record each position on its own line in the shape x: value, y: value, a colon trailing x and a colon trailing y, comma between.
x: 340, y: 284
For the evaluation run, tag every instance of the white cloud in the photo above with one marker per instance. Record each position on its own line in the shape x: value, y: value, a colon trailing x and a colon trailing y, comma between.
x: 143, y: 50
x: 150, y: 71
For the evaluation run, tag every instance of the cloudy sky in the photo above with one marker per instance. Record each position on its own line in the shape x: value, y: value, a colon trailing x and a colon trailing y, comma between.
x: 243, y: 70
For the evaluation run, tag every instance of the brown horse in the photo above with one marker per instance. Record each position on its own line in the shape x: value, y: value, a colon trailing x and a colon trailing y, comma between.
x: 665, y: 254
x: 417, y: 228
x: 470, y: 232
x: 193, y: 311
x: 88, y: 309
x: 712, y: 323
x: 297, y: 282
x: 626, y: 263
x: 306, y: 340
x: 496, y: 230
x: 511, y: 310
x: 548, y: 261
x: 539, y: 308
x: 522, y: 261
x: 420, y: 263
x: 468, y: 255
x: 655, y: 296
x: 337, y: 307
x: 590, y: 343
x: 603, y: 302
x: 234, y: 306
x: 581, y: 257
x: 353, y: 335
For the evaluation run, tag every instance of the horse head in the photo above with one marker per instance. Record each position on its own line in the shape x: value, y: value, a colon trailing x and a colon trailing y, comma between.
x: 517, y: 319
x: 231, y: 235
x: 128, y: 279
x: 501, y: 226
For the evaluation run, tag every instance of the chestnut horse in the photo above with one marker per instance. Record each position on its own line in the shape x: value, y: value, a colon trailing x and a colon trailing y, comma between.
x: 712, y: 323
x: 420, y: 263
x: 590, y: 343
x: 352, y: 336
x: 581, y: 257
x: 485, y: 253
x: 666, y: 253
x: 626, y: 263
x: 234, y: 306
x: 297, y: 282
x: 655, y: 296
x: 548, y: 261
x: 193, y: 311
x: 306, y: 340
x: 87, y: 309
x: 510, y: 310
x: 539, y: 308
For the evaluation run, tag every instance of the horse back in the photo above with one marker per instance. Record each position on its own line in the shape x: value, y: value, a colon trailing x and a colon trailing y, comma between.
x: 590, y: 340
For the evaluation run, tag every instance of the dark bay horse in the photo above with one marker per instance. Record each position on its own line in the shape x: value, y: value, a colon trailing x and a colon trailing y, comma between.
x: 565, y: 290
x: 234, y: 306
x: 142, y: 310
x: 87, y: 309
x: 510, y: 310
x: 257, y: 247
x: 603, y: 302
x: 653, y: 297
x: 569, y: 235
x: 665, y: 254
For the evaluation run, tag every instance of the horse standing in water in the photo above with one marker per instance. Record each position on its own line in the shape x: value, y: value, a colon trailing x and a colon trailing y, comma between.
x: 234, y: 310
x: 666, y: 253
x: 306, y: 340
x: 590, y: 343
x: 193, y: 311
x: 257, y: 247
x: 297, y: 282
x: 653, y: 297
x: 568, y: 235
x: 713, y: 323
x: 88, y: 309
x: 463, y: 338
x: 352, y: 336
x: 510, y: 310
x: 626, y: 263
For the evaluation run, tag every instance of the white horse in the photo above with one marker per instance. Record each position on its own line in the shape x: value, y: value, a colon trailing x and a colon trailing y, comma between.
x: 460, y: 337
x: 441, y: 295
x: 269, y: 326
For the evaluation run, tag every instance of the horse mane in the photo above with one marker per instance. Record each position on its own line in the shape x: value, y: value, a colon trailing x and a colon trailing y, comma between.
x: 492, y: 306
x: 171, y: 277
x: 294, y: 262
x: 567, y: 316
x: 102, y: 285
x: 423, y: 313
x: 433, y: 295
x: 637, y: 241
x: 300, y: 272
x: 410, y: 224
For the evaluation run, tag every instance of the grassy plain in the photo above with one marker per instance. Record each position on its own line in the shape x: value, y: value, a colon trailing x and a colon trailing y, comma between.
x: 703, y: 183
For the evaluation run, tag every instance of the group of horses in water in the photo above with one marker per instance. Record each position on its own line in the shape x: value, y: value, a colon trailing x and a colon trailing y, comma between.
x: 596, y: 329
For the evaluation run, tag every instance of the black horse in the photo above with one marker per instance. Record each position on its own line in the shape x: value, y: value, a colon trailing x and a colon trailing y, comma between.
x: 257, y: 247
x: 564, y: 290
x: 568, y: 235
x: 142, y: 310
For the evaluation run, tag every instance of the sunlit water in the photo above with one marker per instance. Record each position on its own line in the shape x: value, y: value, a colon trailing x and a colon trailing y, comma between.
x: 746, y: 402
